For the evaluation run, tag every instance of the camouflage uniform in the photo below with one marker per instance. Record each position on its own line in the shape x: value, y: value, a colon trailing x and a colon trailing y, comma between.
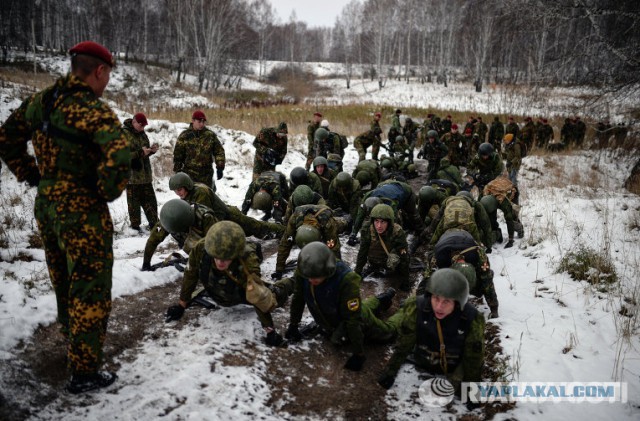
x: 311, y: 145
x: 325, y: 179
x: 433, y: 152
x: 481, y: 130
x: 446, y: 125
x: 84, y: 163
x: 410, y: 132
x: 228, y: 287
x: 314, y: 183
x: 496, y: 133
x: 325, y: 223
x: 140, y: 191
x: 487, y: 169
x: 528, y: 133
x: 544, y: 135
x: 504, y: 195
x: 336, y: 306
x: 450, y: 172
x: 194, y: 154
x: 346, y: 199
x: 372, y: 168
x: 274, y: 183
x: 513, y: 128
x: 513, y: 156
x: 369, y: 138
x: 372, y: 251
x: 268, y: 139
x: 440, y: 225
x: 463, y: 336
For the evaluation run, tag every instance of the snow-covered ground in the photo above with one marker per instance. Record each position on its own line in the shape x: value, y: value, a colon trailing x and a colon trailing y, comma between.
x: 554, y: 329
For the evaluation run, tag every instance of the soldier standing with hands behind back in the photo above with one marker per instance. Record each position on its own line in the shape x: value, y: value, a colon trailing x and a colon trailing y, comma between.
x: 82, y: 161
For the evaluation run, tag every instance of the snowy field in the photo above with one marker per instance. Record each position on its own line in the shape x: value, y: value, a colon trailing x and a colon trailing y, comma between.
x: 554, y: 329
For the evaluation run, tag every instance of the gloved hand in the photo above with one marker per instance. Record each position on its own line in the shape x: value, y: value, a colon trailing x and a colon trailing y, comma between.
x: 353, y: 240
x: 509, y: 243
x: 293, y: 333
x: 274, y: 339
x: 420, y: 154
x: 392, y: 261
x: 276, y: 275
x: 355, y: 362
x: 488, y: 250
x: 33, y: 179
x: 174, y: 313
x: 386, y: 380
x: 219, y: 172
x: 245, y: 206
x: 146, y: 267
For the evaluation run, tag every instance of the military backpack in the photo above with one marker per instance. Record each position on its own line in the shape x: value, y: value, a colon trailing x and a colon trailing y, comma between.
x: 458, y: 213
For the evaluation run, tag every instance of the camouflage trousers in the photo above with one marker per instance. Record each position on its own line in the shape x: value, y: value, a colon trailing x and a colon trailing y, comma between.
x: 77, y: 234
x: 251, y: 226
x: 142, y: 196
x: 361, y: 146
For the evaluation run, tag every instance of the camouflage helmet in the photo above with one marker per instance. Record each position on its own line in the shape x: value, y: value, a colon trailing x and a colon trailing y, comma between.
x: 321, y: 134
x: 177, y: 215
x: 386, y: 163
x: 282, y: 127
x: 466, y: 194
x: 320, y: 160
x: 302, y: 195
x: 485, y: 149
x: 363, y: 177
x: 343, y: 180
x: 382, y: 211
x: 262, y: 201
x: 411, y: 169
x: 399, y: 138
x: 306, y: 234
x: 371, y: 201
x: 225, y: 240
x: 449, y: 283
x: 299, y: 176
x: 490, y: 203
x: 432, y: 133
x: 428, y: 194
x: 316, y: 260
x: 180, y: 180
x: 469, y: 272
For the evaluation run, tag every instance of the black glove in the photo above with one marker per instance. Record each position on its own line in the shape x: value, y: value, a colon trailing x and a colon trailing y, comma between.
x: 386, y: 380
x: 509, y: 243
x: 420, y: 155
x: 276, y: 275
x: 488, y: 250
x: 146, y: 267
x: 219, y: 172
x: 33, y: 179
x: 353, y: 240
x: 174, y: 313
x: 245, y: 206
x: 293, y: 334
x: 274, y: 339
x: 355, y: 362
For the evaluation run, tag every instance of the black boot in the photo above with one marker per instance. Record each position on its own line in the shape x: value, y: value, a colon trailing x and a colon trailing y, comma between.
x: 85, y: 382
x: 385, y: 299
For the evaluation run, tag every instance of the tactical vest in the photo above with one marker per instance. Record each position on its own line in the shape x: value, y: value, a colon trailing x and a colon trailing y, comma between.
x: 454, y: 332
x: 377, y: 256
x: 221, y: 286
x: 315, y: 215
x: 458, y: 213
x: 323, y: 300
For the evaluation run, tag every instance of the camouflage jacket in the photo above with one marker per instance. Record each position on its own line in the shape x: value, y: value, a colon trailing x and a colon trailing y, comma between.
x: 490, y: 168
x: 204, y: 195
x: 317, y: 200
x: 450, y: 172
x: 434, y: 152
x: 268, y: 139
x: 544, y: 133
x: 481, y: 129
x: 204, y: 219
x: 527, y: 133
x: 513, y: 155
x: 469, y: 367
x: 306, y: 214
x: 325, y: 179
x: 410, y: 131
x: 496, y: 132
x: 195, y: 152
x: 85, y: 153
x: 395, y: 123
x: 372, y: 167
x: 311, y: 144
x: 512, y: 128
x: 346, y: 199
x: 140, y: 164
x: 314, y: 183
x: 228, y: 287
x: 371, y: 250
x: 458, y: 148
x: 376, y: 130
x: 273, y: 182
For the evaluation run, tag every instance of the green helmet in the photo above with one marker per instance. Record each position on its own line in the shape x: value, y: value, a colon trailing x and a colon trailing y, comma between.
x: 343, y: 180
x: 411, y: 168
x: 451, y: 284
x: 469, y: 272
x: 382, y: 211
x: 485, y: 149
x: 225, y: 240
x: 432, y: 133
x: 299, y: 176
x: 316, y: 260
x: 466, y: 194
x: 490, y: 203
x: 262, y: 201
x: 399, y: 138
x: 320, y: 160
x: 427, y: 194
x: 180, y: 180
x: 371, y: 201
x: 306, y: 234
x: 177, y: 215
x: 321, y: 134
x: 386, y: 163
x: 363, y: 177
x: 302, y: 195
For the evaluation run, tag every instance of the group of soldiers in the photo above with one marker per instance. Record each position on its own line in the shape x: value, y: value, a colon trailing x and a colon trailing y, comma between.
x: 84, y: 159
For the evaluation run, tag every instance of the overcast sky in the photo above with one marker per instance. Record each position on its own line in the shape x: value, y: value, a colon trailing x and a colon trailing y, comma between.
x: 313, y: 12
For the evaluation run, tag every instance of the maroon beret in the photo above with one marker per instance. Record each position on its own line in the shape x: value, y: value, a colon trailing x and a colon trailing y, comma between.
x: 449, y: 116
x: 378, y: 115
x: 198, y: 115
x: 93, y: 49
x: 467, y: 130
x: 454, y: 127
x: 141, y: 119
x: 317, y: 114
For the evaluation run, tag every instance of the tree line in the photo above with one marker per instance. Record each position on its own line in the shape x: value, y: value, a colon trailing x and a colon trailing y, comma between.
x: 538, y: 42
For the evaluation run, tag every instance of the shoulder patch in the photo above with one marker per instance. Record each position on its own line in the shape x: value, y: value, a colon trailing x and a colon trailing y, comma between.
x: 353, y: 305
